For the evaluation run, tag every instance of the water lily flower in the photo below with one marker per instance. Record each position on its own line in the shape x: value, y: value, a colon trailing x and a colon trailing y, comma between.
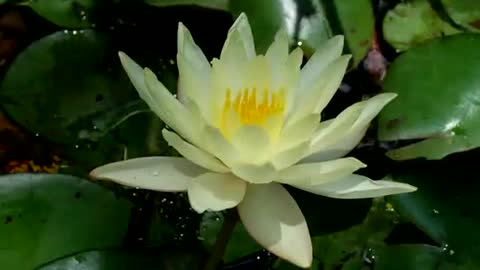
x: 245, y: 124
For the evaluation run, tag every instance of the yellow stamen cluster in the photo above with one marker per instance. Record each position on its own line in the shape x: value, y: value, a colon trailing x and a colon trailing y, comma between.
x: 248, y: 110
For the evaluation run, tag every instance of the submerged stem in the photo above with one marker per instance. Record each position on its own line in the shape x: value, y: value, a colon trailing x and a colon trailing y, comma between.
x: 223, y: 236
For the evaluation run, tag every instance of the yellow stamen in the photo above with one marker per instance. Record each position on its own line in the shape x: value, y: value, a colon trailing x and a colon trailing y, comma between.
x: 246, y: 108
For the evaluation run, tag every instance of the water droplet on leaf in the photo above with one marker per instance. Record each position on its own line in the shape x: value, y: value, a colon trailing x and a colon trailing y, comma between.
x: 369, y: 255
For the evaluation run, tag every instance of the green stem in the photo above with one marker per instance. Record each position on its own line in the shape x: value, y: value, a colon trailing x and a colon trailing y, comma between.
x: 216, y: 255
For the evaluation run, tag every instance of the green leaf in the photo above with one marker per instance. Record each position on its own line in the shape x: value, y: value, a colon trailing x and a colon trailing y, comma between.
x: 284, y: 265
x: 314, y: 210
x: 48, y: 216
x: 355, y: 20
x: 437, y: 86
x: 401, y: 257
x: 215, y: 4
x: 240, y: 244
x: 464, y: 12
x: 61, y: 79
x: 144, y: 259
x: 410, y: 24
x: 444, y: 207
x: 348, y: 248
x: 142, y: 135
x: 303, y: 20
x: 65, y: 13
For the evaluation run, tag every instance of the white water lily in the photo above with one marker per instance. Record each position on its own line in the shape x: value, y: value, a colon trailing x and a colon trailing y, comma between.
x: 245, y: 124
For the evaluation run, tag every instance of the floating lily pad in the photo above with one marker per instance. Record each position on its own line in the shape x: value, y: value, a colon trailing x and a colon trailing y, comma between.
x: 402, y: 257
x: 438, y: 98
x: 66, y: 13
x: 354, y: 247
x: 145, y: 259
x: 314, y: 210
x: 464, y: 12
x: 61, y: 79
x: 444, y: 206
x: 303, y: 20
x: 46, y: 216
x: 410, y: 24
x: 355, y: 20
x: 215, y: 4
x: 239, y: 245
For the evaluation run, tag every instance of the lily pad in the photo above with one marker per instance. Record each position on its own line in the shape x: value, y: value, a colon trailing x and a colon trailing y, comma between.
x: 401, y: 257
x: 314, y: 210
x: 145, y: 259
x: 410, y: 24
x: 444, y: 207
x: 464, y: 12
x: 48, y: 216
x: 304, y: 21
x: 354, y: 247
x: 438, y: 98
x: 61, y: 79
x: 215, y: 4
x: 65, y: 13
x: 355, y: 20
x: 240, y: 244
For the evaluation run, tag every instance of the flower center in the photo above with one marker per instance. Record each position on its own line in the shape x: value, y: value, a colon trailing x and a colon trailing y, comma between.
x: 250, y: 108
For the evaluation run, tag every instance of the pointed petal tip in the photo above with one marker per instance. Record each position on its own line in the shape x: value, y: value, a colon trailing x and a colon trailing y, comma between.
x: 384, y: 98
x: 346, y: 58
x: 359, y: 164
x: 272, y: 217
x: 242, y: 16
x: 181, y: 26
x: 149, y: 75
x: 153, y: 173
x: 281, y: 33
x: 389, y: 95
x: 410, y: 188
x: 181, y: 32
x: 339, y: 39
x: 241, y: 21
x: 125, y: 59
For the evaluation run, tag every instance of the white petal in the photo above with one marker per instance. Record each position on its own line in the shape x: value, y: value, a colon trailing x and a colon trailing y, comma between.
x: 253, y: 144
x: 194, y: 86
x: 194, y: 72
x: 298, y: 132
x: 160, y: 100
x: 171, y: 111
x: 187, y: 47
x: 357, y: 186
x: 273, y: 218
x: 336, y: 72
x: 137, y: 77
x: 291, y: 156
x: 277, y: 53
x: 320, y: 172
x: 216, y: 144
x: 194, y: 154
x: 154, y: 173
x: 315, y: 96
x: 339, y: 136
x: 322, y: 57
x: 239, y: 43
x: 216, y: 192
x: 256, y: 174
x: 294, y: 61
